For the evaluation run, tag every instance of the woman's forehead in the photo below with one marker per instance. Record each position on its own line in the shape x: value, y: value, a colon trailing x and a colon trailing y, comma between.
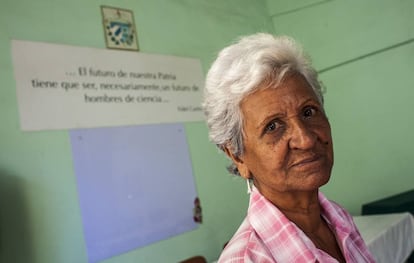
x: 294, y: 87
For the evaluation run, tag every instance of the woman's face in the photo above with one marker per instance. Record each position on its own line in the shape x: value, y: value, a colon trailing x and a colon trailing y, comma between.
x: 287, y: 139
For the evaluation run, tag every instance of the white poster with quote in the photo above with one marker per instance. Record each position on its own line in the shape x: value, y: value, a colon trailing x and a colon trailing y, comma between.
x: 67, y: 87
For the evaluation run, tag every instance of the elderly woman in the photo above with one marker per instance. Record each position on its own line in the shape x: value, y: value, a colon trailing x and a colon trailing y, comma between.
x: 264, y: 109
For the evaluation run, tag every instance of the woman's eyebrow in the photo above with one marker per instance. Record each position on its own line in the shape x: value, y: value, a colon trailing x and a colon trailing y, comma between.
x: 313, y: 100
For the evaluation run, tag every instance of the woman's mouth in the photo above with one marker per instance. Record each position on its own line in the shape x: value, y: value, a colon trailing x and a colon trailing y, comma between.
x: 309, y: 160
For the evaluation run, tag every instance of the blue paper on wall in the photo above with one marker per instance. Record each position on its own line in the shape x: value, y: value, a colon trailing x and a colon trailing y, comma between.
x: 135, y: 186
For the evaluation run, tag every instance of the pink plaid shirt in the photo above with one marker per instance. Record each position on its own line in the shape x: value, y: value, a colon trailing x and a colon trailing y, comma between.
x: 266, y: 235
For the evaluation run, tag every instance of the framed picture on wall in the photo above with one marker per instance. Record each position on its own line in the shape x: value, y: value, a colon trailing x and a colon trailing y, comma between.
x: 119, y: 28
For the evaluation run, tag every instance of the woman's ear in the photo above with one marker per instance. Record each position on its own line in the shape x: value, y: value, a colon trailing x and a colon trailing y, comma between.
x: 238, y: 161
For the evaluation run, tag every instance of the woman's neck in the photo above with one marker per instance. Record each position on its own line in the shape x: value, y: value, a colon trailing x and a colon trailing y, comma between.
x: 302, y: 208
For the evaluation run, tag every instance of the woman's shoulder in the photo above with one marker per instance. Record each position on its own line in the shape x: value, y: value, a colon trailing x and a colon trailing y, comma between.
x: 245, y: 246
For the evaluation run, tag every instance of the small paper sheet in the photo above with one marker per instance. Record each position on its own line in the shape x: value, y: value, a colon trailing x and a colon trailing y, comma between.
x: 135, y: 186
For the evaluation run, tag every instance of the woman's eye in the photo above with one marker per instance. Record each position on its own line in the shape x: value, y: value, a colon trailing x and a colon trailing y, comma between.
x: 271, y: 126
x: 309, y: 112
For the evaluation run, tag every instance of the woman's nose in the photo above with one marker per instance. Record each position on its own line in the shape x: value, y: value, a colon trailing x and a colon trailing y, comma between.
x: 301, y: 135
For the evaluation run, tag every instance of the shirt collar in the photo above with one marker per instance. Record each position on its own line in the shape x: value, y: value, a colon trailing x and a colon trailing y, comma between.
x: 333, y: 216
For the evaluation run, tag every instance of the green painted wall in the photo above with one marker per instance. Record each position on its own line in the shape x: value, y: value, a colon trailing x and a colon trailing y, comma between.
x: 368, y: 100
x: 40, y: 219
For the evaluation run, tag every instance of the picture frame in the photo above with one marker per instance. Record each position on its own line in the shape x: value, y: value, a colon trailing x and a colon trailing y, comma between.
x: 119, y: 28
